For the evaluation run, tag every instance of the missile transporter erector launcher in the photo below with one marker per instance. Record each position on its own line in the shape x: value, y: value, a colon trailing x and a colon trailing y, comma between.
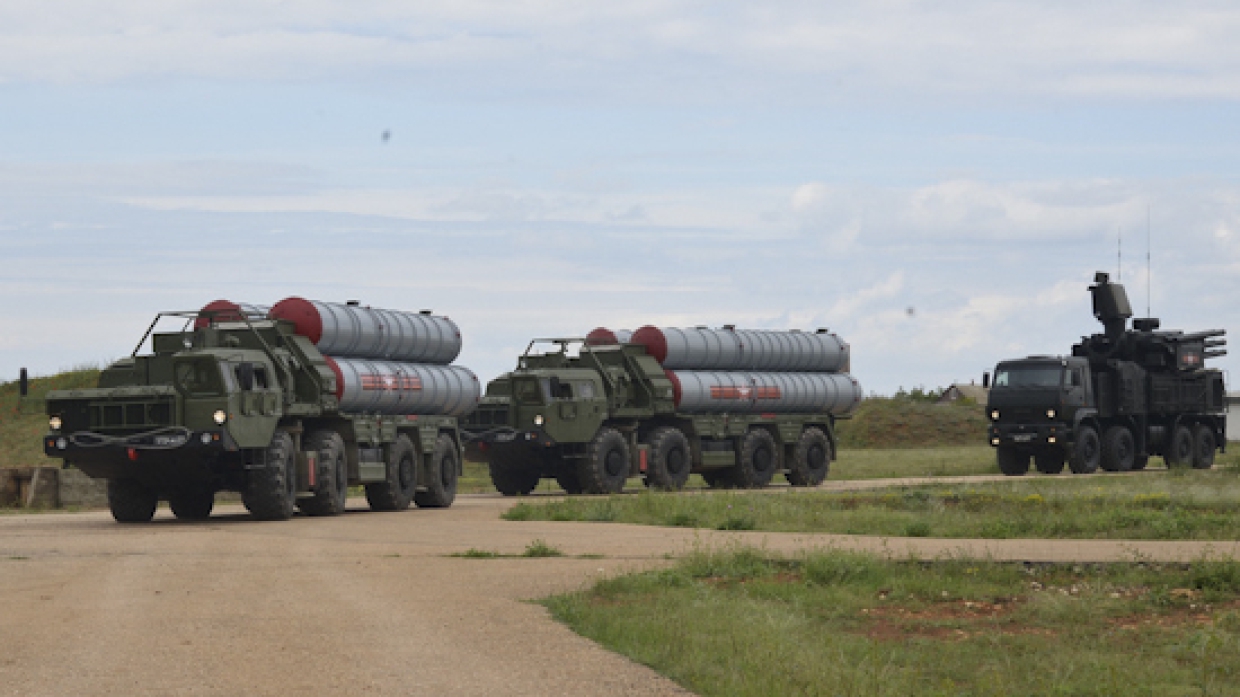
x: 593, y: 412
x: 1121, y: 397
x: 241, y: 401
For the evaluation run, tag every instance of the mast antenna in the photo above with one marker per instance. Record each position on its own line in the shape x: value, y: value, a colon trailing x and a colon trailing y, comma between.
x: 1149, y: 269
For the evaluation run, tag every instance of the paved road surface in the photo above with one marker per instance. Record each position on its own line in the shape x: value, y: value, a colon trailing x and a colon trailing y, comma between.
x: 365, y: 603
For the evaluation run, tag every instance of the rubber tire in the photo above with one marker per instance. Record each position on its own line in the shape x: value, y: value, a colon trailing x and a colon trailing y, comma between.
x: 1049, y: 462
x: 332, y: 482
x: 566, y: 477
x: 1119, y: 450
x: 396, y: 492
x: 718, y: 478
x: 812, y: 459
x: 131, y: 501
x: 512, y: 473
x: 271, y: 491
x: 1012, y: 462
x: 670, y: 460
x: 1180, y: 449
x: 605, y: 468
x: 1203, y: 447
x: 441, y: 475
x: 1086, y: 451
x: 758, y: 462
x: 192, y: 503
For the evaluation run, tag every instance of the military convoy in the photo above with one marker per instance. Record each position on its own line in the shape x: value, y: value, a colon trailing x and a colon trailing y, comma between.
x: 293, y: 404
x: 735, y: 406
x: 288, y: 406
x: 1122, y: 396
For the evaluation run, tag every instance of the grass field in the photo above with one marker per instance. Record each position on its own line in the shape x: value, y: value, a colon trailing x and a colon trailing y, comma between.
x: 830, y: 623
x: 1200, y: 505
x: 24, y: 421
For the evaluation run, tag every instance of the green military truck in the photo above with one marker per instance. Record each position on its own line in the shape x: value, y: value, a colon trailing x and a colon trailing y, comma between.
x: 591, y: 416
x: 1121, y: 397
x: 237, y: 401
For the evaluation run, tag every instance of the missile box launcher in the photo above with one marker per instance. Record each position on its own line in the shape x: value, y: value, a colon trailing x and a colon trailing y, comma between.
x: 237, y: 401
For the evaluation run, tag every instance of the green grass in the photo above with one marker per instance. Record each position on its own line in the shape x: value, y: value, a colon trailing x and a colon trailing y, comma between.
x: 882, y: 422
x: 1194, y: 505
x: 23, y: 422
x: 741, y: 623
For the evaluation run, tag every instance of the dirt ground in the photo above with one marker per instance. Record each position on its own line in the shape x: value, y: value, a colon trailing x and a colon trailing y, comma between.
x: 365, y: 603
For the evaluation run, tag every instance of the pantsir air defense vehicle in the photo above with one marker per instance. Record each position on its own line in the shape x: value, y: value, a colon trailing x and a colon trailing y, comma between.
x: 288, y: 406
x: 1122, y: 396
x: 735, y: 406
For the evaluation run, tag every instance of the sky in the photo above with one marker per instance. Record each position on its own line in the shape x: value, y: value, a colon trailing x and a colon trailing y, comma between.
x: 936, y: 182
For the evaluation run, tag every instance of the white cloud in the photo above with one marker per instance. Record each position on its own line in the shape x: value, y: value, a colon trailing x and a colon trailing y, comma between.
x: 666, y: 50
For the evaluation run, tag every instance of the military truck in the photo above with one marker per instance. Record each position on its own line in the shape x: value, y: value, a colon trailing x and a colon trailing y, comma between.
x: 1119, y: 398
x: 591, y: 416
x: 237, y: 401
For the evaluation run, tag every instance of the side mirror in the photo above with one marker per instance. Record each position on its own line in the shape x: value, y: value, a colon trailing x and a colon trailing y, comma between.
x: 986, y: 380
x: 245, y: 376
x: 555, y: 387
x: 23, y: 382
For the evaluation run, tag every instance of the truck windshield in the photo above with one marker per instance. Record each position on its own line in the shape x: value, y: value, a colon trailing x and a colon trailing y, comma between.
x: 527, y: 391
x: 1029, y: 376
x: 199, y: 377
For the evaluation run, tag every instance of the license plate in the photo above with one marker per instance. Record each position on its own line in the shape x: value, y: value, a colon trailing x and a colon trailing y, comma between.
x: 504, y: 437
x: 1022, y: 437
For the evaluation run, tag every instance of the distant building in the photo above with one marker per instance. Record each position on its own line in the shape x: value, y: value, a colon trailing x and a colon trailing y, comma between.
x: 1233, y: 416
x: 957, y: 392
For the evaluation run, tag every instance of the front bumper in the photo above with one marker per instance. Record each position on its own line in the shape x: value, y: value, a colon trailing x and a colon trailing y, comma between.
x: 1029, y: 435
x: 89, y: 444
x: 510, y: 436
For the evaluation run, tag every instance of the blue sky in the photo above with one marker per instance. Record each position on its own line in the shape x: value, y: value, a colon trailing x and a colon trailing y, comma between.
x: 937, y: 182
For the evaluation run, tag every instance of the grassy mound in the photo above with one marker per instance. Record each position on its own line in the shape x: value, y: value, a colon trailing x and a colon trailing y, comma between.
x: 885, y: 422
x: 24, y: 421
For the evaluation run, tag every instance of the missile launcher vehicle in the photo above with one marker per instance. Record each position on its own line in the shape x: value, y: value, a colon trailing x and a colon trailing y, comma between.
x: 1119, y: 398
x: 591, y: 413
x: 242, y: 400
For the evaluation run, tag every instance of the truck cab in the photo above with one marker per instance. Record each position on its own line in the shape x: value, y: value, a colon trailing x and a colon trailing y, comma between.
x: 1036, y: 407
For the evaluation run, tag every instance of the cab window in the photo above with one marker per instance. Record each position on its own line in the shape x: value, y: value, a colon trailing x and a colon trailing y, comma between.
x: 199, y: 378
x: 527, y: 392
x: 1029, y: 376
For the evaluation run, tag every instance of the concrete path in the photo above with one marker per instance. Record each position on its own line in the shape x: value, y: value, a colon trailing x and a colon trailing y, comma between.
x: 365, y: 603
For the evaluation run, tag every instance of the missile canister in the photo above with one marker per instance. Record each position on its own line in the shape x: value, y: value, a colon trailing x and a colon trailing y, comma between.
x: 228, y: 311
x: 391, y: 387
x: 700, y: 348
x: 700, y: 392
x: 602, y: 336
x: 364, y: 332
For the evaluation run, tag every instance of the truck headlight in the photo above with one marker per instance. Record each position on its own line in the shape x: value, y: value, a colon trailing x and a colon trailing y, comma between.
x: 219, y: 417
x: 538, y: 420
x: 1050, y: 413
x: 55, y: 423
x: 994, y: 415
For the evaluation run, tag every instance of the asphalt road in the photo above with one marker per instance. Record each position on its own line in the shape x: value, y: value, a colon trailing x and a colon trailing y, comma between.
x: 365, y: 603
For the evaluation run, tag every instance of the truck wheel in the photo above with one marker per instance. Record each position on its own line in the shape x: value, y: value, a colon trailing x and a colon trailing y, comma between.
x: 669, y: 464
x: 395, y: 493
x: 441, y: 475
x: 1085, y: 452
x: 758, y: 462
x: 1049, y: 461
x: 1203, y: 440
x: 606, y: 465
x: 1118, y: 450
x: 131, y: 501
x: 271, y: 490
x: 192, y: 503
x: 566, y: 477
x: 1012, y: 462
x: 1180, y: 451
x: 812, y: 459
x: 332, y: 486
x: 511, y: 473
